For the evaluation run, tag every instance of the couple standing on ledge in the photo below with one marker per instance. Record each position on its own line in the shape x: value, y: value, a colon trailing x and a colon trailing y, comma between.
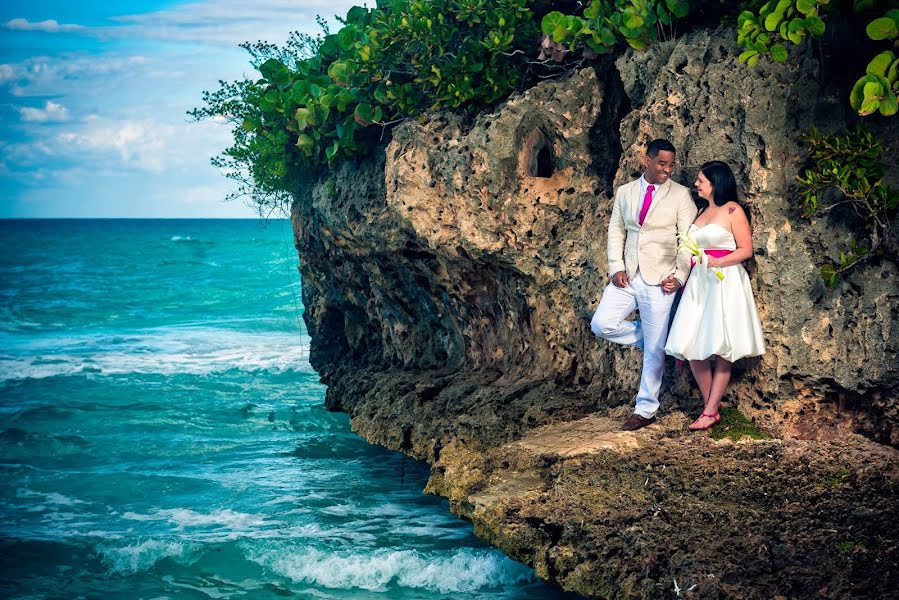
x: 716, y: 321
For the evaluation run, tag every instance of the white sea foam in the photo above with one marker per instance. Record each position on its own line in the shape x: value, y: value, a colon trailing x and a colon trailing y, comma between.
x: 141, y: 556
x: 50, y: 498
x: 283, y: 500
x: 465, y: 571
x: 413, y: 522
x: 427, y: 531
x: 168, y: 351
x: 225, y: 518
x: 224, y: 589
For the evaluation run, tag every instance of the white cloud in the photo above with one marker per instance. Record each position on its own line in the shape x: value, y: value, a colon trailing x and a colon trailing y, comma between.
x: 118, y: 110
x: 140, y: 144
x: 204, y: 194
x: 229, y: 22
x: 218, y: 22
x: 123, y: 111
x: 26, y: 153
x: 61, y: 74
x: 145, y: 145
x: 52, y: 112
x: 48, y: 26
x: 225, y: 14
x: 211, y: 24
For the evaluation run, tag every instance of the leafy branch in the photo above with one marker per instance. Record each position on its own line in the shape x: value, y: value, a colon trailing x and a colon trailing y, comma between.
x: 848, y: 165
x: 876, y: 91
x: 318, y: 99
x: 259, y: 162
x: 602, y: 24
x: 776, y: 23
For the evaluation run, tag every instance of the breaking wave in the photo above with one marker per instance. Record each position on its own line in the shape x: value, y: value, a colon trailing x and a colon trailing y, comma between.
x: 465, y: 571
x: 163, y: 351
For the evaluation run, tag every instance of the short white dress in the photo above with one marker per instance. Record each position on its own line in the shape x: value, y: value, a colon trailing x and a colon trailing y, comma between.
x: 715, y: 316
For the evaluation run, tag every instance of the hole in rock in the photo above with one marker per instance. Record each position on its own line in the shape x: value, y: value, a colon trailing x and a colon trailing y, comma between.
x: 538, y: 156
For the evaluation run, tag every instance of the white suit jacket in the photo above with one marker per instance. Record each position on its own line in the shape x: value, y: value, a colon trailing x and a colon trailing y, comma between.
x: 651, y: 248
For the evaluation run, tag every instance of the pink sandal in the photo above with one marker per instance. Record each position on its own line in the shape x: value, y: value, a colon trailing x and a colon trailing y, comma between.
x: 716, y: 417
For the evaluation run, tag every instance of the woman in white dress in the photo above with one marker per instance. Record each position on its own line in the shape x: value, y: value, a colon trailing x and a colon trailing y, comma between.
x: 716, y: 321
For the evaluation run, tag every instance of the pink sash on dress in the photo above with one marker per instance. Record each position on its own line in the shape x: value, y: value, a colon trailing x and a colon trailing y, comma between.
x: 717, y: 253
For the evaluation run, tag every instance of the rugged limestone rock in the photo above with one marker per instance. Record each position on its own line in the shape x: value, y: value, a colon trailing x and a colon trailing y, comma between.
x: 448, y: 285
x: 618, y: 514
x: 826, y: 351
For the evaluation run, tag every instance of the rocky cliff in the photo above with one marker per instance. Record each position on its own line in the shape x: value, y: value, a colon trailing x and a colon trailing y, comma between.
x: 448, y: 283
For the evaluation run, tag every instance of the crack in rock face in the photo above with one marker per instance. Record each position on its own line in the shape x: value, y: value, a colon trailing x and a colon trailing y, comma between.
x: 448, y: 283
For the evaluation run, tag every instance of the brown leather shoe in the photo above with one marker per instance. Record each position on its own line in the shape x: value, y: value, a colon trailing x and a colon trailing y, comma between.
x: 636, y: 422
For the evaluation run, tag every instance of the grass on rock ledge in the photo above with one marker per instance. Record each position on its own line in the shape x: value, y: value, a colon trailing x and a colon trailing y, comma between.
x: 735, y: 425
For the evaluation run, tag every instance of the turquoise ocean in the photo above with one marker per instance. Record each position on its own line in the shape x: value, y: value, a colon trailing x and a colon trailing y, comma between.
x: 162, y: 434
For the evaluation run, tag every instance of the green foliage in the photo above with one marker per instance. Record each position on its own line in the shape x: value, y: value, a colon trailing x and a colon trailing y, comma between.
x: 735, y: 425
x: 848, y: 165
x: 318, y: 98
x: 429, y: 55
x: 778, y: 22
x: 331, y: 188
x: 838, y: 478
x: 877, y: 89
x: 260, y: 158
x: 847, y: 547
x: 884, y: 28
x: 322, y: 100
x: 603, y: 23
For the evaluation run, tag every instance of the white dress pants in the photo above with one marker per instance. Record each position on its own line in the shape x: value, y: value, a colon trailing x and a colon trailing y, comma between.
x: 648, y: 334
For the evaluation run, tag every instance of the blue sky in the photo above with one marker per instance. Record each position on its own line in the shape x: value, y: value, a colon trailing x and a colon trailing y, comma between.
x: 93, y: 99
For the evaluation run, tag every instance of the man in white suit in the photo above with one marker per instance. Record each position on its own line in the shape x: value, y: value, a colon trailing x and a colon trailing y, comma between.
x: 646, y: 270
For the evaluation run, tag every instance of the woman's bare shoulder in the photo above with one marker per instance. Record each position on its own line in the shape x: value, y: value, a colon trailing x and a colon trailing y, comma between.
x: 734, y: 211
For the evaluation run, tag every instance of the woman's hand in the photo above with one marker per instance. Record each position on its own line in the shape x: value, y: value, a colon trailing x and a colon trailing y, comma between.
x: 712, y: 262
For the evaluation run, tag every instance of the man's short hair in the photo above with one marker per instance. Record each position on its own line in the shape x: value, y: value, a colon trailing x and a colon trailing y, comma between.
x: 652, y: 149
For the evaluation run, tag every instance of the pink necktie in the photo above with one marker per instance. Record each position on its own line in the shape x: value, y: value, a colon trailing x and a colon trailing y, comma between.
x: 647, y: 200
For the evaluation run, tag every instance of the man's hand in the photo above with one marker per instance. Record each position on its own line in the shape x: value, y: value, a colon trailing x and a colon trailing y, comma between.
x: 620, y: 279
x: 670, y: 284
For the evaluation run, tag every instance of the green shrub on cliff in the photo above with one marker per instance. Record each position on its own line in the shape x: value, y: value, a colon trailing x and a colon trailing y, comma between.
x: 326, y: 99
x: 602, y: 24
x: 776, y: 23
x: 261, y: 159
x: 845, y: 171
x: 877, y: 89
x: 323, y: 100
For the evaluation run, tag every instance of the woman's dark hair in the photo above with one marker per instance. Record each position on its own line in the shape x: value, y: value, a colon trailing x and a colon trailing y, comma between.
x: 724, y: 190
x: 724, y: 185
